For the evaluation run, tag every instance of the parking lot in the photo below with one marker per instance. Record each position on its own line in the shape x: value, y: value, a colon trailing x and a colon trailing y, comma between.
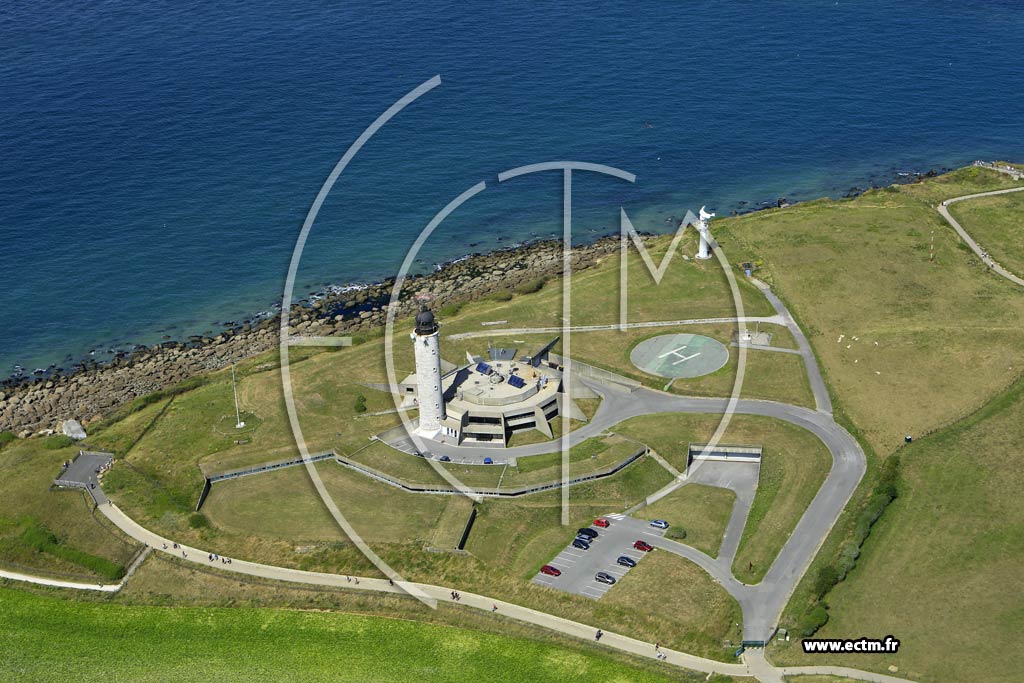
x: 579, y: 566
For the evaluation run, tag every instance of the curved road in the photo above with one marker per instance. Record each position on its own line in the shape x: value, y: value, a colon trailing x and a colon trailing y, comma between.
x: 982, y: 254
x: 761, y: 604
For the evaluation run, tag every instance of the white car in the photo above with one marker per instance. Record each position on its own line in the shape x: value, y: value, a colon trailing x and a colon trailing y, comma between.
x: 659, y: 524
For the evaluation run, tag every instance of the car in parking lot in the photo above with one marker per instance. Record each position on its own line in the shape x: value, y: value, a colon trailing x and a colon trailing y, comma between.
x: 659, y: 524
x: 586, y: 531
x: 604, y: 577
x: 550, y: 571
x: 580, y: 543
x: 602, y: 522
x: 625, y: 561
x: 644, y: 546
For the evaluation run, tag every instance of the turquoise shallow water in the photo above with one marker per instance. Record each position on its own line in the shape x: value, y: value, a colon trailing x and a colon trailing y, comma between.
x: 158, y: 158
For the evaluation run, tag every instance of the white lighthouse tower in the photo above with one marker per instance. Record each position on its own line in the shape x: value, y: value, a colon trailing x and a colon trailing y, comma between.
x: 429, y: 396
x: 704, y: 251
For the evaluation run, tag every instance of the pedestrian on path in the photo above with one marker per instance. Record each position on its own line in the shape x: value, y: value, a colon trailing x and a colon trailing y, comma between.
x: 597, y: 636
x: 494, y: 608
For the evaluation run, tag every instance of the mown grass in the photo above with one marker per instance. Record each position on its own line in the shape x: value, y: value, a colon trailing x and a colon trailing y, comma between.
x: 56, y: 532
x: 590, y: 456
x: 47, y: 639
x: 944, y: 556
x: 701, y: 511
x: 923, y: 343
x: 28, y: 534
x: 995, y: 223
x: 768, y: 374
x: 794, y: 464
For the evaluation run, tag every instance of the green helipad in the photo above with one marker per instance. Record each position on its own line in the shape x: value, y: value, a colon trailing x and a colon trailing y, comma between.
x: 679, y: 355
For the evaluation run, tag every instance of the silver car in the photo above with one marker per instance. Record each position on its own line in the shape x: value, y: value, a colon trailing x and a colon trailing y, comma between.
x: 659, y: 524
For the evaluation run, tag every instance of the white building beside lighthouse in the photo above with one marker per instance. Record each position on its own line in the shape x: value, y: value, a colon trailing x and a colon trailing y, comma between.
x: 429, y: 393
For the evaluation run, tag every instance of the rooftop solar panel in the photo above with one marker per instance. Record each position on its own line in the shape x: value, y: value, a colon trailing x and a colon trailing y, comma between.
x: 483, y: 368
x: 516, y: 381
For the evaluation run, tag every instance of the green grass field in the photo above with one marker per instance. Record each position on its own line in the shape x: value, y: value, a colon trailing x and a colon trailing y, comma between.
x: 702, y: 511
x: 768, y: 375
x: 995, y: 224
x: 946, y: 558
x: 907, y: 346
x: 946, y: 331
x: 590, y: 456
x: 47, y: 639
x: 794, y: 464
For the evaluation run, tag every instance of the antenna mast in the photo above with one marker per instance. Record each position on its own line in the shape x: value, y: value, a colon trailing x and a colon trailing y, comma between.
x: 234, y: 387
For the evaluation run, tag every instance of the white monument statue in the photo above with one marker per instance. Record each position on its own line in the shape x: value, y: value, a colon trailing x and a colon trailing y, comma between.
x: 704, y: 252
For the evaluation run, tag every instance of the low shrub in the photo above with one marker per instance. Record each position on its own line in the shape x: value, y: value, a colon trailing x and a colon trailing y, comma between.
x: 825, y: 579
x: 449, y: 310
x: 531, y: 286
x: 58, y: 441
x: 360, y: 406
x: 812, y: 620
x: 676, y: 533
x: 197, y: 520
x: 6, y: 438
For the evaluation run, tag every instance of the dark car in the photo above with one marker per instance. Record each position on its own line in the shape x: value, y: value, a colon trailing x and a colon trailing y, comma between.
x: 586, y: 531
x: 580, y: 543
x: 445, y: 458
x: 550, y: 571
x: 644, y: 546
x: 625, y: 561
x: 604, y: 577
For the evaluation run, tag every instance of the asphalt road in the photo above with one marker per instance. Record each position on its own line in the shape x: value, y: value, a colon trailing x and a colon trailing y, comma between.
x: 762, y: 604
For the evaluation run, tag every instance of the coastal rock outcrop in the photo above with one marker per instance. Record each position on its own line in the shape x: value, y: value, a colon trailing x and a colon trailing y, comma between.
x: 31, y: 405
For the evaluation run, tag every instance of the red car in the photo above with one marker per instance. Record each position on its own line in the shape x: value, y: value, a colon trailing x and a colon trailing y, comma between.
x: 602, y: 522
x: 644, y: 546
x: 550, y: 571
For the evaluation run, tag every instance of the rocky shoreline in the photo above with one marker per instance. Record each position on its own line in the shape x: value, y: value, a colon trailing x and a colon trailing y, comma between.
x: 38, y: 404
x: 34, y: 405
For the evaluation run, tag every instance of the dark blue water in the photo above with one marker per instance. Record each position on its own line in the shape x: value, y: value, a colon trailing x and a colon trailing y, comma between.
x: 157, y: 160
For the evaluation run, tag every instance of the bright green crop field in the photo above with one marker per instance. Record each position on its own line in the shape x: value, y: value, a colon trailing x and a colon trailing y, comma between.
x: 47, y: 639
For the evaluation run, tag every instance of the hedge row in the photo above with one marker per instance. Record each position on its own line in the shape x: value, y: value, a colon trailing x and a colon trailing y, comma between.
x: 885, y: 491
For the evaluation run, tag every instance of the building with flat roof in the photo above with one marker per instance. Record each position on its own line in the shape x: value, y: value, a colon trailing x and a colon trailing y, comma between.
x: 482, y: 402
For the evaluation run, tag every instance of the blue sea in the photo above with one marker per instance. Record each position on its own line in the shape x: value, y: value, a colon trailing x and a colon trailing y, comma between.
x: 157, y: 159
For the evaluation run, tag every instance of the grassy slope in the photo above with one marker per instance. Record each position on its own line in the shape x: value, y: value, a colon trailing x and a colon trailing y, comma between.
x: 702, y: 511
x: 947, y: 330
x: 995, y: 224
x: 958, y: 328
x: 795, y: 464
x: 946, y: 560
x: 48, y: 639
